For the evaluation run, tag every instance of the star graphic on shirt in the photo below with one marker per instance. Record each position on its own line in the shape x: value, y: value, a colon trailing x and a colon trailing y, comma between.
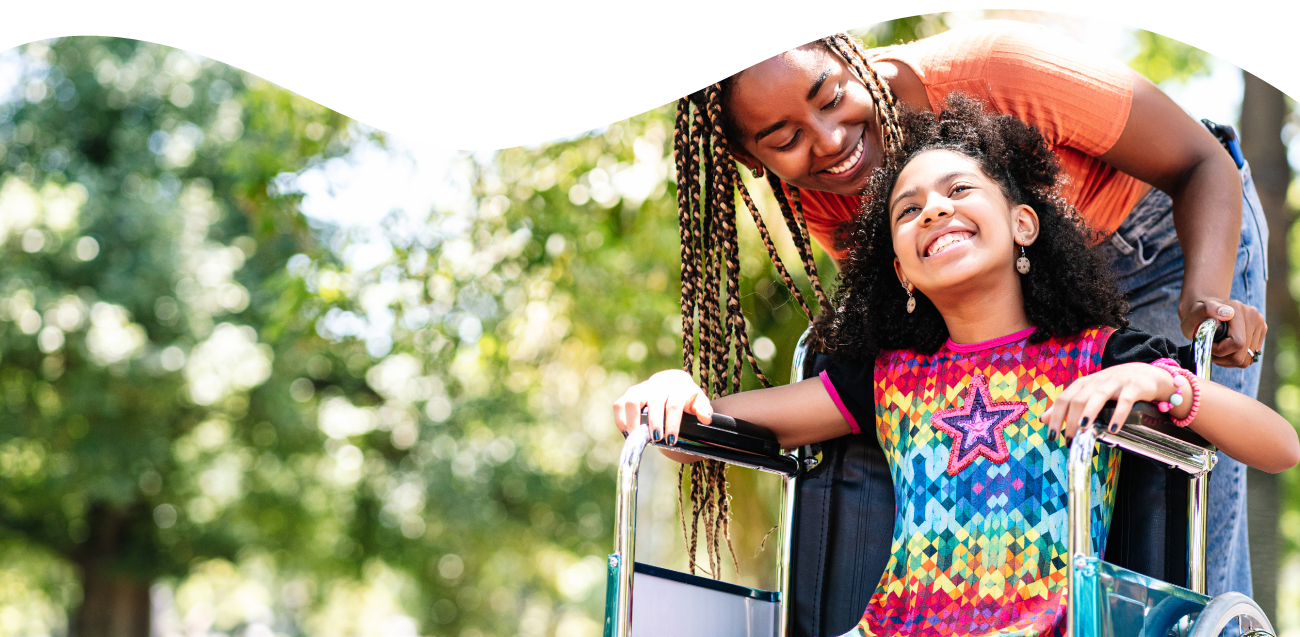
x: 977, y: 426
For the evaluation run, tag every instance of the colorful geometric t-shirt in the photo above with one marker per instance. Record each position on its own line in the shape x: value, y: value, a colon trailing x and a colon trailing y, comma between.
x: 980, y: 535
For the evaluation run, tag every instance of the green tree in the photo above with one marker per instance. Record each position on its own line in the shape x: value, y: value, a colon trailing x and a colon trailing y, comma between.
x: 149, y: 332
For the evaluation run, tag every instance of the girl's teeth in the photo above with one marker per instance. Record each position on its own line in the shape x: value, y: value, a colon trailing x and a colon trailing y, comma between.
x: 945, y: 241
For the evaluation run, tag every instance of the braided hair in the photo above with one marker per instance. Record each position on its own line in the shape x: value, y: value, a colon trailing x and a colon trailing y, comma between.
x: 707, y: 181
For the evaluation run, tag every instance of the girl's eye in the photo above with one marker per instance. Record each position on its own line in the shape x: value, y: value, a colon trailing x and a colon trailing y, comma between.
x: 960, y: 188
x: 839, y: 94
x: 907, y: 210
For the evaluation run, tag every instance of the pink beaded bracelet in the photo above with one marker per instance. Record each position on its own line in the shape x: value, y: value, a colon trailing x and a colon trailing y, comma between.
x: 1176, y: 399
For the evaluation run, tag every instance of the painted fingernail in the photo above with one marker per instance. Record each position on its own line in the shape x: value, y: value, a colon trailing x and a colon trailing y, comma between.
x: 1225, y: 312
x: 1114, y: 427
x: 1083, y: 423
x: 672, y: 440
x: 1051, y: 434
x: 658, y: 435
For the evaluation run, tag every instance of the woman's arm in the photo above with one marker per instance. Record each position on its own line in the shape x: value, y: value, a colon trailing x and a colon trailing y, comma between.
x: 799, y: 414
x: 1163, y: 146
x: 1241, y: 426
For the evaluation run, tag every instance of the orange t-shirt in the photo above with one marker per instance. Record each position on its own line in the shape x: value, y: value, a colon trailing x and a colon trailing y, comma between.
x: 1077, y: 100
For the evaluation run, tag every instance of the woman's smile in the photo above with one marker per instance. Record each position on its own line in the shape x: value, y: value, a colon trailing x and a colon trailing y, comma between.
x: 848, y: 164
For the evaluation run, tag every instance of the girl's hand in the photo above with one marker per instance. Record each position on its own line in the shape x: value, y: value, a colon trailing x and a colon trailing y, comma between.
x: 667, y: 395
x: 1077, y: 406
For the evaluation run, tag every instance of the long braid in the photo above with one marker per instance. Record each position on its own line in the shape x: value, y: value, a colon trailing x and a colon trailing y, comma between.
x: 682, y: 153
x: 886, y: 105
x: 707, y: 182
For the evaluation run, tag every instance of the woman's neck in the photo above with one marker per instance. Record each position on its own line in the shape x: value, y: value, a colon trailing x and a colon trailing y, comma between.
x: 984, y: 314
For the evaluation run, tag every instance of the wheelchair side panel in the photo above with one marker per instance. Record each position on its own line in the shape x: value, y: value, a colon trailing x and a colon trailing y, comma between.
x: 664, y: 607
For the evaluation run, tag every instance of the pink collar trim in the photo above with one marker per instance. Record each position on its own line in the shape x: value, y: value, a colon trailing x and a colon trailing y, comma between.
x: 982, y: 345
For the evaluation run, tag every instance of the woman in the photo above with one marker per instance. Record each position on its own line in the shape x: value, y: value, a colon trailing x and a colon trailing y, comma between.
x: 1156, y: 186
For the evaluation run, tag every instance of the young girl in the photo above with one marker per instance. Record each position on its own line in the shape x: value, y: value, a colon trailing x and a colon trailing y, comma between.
x: 976, y: 331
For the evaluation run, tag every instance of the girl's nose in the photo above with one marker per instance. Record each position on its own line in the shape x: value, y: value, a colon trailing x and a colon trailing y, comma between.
x: 936, y: 207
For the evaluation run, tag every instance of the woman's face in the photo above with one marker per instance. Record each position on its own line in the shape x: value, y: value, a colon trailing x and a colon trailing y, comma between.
x: 805, y: 116
x: 953, y: 228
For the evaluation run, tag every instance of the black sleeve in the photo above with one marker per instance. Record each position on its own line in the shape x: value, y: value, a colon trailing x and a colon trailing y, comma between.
x: 852, y: 386
x: 1130, y: 345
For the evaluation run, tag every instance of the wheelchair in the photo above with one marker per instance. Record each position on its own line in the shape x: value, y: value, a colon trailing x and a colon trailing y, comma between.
x: 841, y: 495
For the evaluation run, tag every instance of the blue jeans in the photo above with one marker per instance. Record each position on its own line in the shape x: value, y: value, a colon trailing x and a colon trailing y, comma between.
x: 1149, y: 264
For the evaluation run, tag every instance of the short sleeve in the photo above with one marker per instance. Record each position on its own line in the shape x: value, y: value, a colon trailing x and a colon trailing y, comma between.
x: 1129, y: 345
x: 1074, y: 96
x: 851, y: 385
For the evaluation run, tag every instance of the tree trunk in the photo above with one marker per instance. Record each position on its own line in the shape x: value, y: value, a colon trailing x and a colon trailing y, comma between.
x: 1263, y: 112
x: 115, y: 602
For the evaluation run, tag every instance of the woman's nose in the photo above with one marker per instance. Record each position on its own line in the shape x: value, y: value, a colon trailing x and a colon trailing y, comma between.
x: 828, y: 139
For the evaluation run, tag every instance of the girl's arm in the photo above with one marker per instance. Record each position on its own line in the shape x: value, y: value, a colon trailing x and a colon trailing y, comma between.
x: 1241, y: 426
x: 1162, y: 146
x: 799, y: 414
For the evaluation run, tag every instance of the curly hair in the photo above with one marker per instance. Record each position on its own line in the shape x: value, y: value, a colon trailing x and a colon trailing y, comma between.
x: 1069, y: 288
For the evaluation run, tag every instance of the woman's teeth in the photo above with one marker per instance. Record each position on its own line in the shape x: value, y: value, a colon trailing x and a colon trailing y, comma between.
x: 850, y: 162
x: 942, y: 243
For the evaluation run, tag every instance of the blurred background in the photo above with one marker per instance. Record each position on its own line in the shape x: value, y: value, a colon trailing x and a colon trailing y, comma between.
x: 266, y: 371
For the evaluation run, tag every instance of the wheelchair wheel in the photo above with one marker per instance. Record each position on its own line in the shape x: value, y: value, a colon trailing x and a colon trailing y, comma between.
x: 1222, y: 610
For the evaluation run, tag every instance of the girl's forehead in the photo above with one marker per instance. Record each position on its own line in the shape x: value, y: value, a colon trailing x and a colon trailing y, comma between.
x: 929, y: 165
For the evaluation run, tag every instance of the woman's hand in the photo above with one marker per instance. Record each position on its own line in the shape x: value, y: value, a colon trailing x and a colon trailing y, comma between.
x: 1077, y: 406
x: 1246, y: 329
x: 667, y: 395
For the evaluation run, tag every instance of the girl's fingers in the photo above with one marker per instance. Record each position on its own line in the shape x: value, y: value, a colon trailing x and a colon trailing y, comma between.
x: 1096, y: 400
x: 1123, y: 405
x: 656, y: 409
x: 673, y: 415
x: 632, y: 414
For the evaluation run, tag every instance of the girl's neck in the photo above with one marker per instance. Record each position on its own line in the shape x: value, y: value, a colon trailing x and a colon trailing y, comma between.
x: 984, y: 314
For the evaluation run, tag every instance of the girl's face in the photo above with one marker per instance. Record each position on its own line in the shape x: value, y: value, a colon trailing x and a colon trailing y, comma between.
x: 805, y: 116
x: 953, y: 229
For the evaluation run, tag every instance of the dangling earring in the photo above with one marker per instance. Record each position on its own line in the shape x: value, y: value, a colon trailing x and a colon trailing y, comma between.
x: 911, y: 300
x: 756, y: 172
x: 1022, y: 264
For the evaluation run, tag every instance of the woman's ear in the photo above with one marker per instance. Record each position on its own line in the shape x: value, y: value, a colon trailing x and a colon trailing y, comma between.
x: 1024, y: 225
x: 747, y: 160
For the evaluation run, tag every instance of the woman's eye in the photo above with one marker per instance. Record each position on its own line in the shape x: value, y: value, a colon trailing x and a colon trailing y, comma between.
x: 839, y: 94
x: 790, y: 144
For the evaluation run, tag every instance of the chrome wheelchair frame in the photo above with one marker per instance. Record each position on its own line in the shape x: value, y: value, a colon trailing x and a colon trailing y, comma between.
x: 1106, y: 600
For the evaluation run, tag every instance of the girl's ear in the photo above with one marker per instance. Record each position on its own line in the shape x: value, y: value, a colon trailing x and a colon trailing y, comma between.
x: 1024, y: 225
x: 898, y: 270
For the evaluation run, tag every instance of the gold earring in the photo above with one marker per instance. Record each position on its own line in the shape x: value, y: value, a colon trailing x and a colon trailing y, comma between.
x: 1022, y: 264
x: 911, y: 300
x: 756, y: 172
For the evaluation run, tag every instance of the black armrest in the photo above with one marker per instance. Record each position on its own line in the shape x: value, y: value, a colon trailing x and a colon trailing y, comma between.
x: 730, y: 433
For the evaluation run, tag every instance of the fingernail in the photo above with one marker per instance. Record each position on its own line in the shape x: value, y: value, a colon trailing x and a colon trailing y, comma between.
x: 1083, y: 423
x: 658, y: 435
x: 672, y: 440
x: 1051, y: 434
x: 1113, y: 428
x: 1225, y: 312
